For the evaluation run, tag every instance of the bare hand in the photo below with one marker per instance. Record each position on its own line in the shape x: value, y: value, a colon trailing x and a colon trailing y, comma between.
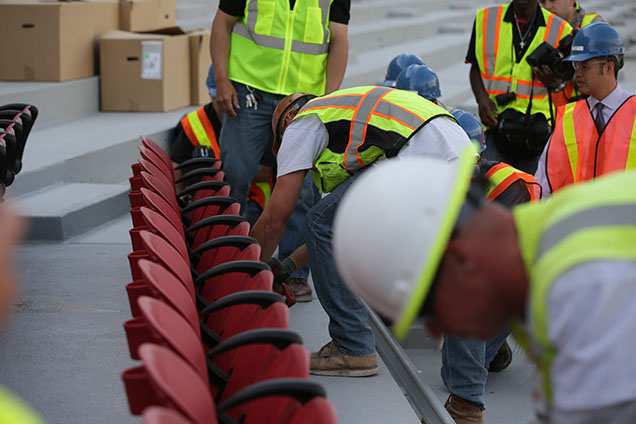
x: 488, y: 112
x: 226, y: 97
x: 546, y: 76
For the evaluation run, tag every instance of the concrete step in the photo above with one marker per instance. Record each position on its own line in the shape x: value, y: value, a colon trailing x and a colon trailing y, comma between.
x: 61, y: 211
x: 56, y: 101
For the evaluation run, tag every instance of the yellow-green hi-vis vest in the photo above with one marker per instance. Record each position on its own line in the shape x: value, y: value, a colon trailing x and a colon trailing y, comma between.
x: 497, y: 59
x: 594, y: 221
x: 14, y: 411
x: 281, y: 51
x: 365, y: 124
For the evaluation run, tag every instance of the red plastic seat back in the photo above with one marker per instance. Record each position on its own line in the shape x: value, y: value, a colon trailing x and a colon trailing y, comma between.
x: 168, y: 328
x: 162, y: 189
x: 225, y: 254
x: 162, y: 415
x: 166, y: 255
x: 152, y: 169
x: 163, y: 285
x: 157, y: 149
x: 152, y: 157
x: 162, y: 227
x: 218, y: 287
x: 157, y: 203
x: 202, y: 194
x: 178, y: 384
x: 233, y: 320
x: 205, y: 234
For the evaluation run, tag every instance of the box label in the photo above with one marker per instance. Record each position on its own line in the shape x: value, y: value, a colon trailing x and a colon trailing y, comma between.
x: 152, y: 52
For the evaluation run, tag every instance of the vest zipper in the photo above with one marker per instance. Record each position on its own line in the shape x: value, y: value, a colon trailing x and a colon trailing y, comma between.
x: 287, y: 53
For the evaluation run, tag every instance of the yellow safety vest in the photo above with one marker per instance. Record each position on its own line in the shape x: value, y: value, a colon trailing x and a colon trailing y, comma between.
x: 365, y: 124
x: 281, y: 51
x: 502, y: 176
x: 592, y: 222
x: 497, y: 62
x: 14, y: 411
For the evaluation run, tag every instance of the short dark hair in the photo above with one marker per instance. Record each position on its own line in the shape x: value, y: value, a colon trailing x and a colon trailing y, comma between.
x: 618, y: 62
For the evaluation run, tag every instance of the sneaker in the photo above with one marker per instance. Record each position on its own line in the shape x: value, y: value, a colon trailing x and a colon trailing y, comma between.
x: 330, y: 361
x: 463, y: 411
x: 284, y: 290
x: 301, y: 289
x: 502, y: 359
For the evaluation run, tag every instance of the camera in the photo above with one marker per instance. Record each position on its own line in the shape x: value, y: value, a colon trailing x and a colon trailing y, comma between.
x: 503, y: 99
x: 545, y: 54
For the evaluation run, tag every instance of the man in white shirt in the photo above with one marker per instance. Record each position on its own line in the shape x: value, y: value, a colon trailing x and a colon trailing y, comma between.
x: 592, y: 137
x: 337, y: 136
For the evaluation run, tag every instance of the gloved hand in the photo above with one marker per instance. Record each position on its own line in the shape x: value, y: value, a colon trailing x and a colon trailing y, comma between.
x: 282, y: 270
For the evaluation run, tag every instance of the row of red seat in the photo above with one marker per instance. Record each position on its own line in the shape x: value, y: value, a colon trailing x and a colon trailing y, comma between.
x: 16, y: 121
x: 212, y: 335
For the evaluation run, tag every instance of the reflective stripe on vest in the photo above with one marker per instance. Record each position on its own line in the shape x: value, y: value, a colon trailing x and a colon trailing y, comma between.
x: 576, y: 152
x: 496, y: 58
x: 589, y: 223
x: 279, y: 50
x: 590, y: 18
x: 200, y: 131
x: 260, y: 193
x: 393, y: 116
x: 502, y: 176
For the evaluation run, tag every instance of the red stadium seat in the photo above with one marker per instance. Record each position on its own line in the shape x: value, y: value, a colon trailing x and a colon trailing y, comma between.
x: 157, y: 203
x: 157, y: 149
x: 152, y: 157
x: 162, y: 415
x: 159, y: 225
x: 232, y: 277
x: 161, y: 188
x: 224, y: 249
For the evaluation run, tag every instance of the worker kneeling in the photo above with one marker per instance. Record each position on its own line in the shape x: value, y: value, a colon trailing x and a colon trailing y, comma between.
x: 562, y: 272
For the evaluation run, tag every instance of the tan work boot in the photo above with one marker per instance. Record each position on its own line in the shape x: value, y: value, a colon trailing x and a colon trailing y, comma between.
x: 330, y: 361
x: 464, y: 412
x: 301, y: 289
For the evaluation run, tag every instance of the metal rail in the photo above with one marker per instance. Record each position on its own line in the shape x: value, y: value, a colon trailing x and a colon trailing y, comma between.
x: 422, y: 398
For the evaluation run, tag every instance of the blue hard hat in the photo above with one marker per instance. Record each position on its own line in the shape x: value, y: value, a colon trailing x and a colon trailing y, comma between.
x: 398, y: 64
x: 421, y: 79
x: 472, y: 126
x: 210, y: 82
x: 596, y: 40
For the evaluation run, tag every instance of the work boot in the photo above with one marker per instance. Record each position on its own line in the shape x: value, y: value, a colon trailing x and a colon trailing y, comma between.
x: 502, y: 359
x: 463, y: 411
x: 301, y: 289
x: 330, y: 361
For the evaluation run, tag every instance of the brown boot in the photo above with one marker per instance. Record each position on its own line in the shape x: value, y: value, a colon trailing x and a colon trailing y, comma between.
x: 464, y: 412
x: 330, y: 361
x: 502, y: 359
x: 301, y: 289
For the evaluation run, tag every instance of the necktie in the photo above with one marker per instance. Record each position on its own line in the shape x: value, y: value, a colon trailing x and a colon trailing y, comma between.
x: 599, y: 120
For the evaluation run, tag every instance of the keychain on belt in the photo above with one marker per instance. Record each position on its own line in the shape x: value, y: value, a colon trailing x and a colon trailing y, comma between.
x: 251, y: 98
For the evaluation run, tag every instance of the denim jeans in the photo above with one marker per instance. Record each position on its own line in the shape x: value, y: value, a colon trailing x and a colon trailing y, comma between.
x: 528, y: 165
x: 348, y: 325
x: 294, y: 236
x: 244, y: 139
x: 465, y: 365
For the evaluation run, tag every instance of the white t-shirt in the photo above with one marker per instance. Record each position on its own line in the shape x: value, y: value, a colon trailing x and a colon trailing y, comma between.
x: 305, y: 139
x: 592, y: 325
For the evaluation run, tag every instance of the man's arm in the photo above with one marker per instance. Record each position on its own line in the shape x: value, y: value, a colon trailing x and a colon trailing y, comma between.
x: 270, y: 227
x: 487, y: 108
x: 220, y: 41
x: 338, y: 55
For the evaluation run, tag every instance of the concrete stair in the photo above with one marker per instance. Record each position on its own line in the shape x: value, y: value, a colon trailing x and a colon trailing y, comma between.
x: 77, y: 159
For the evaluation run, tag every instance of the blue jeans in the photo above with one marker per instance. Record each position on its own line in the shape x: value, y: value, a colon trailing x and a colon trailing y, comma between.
x: 348, y: 325
x: 244, y: 139
x: 465, y: 365
x: 528, y: 165
x: 294, y: 236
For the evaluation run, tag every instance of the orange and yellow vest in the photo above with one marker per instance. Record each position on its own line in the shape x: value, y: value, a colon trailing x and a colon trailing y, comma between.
x: 365, y: 124
x: 199, y: 130
x: 496, y: 58
x: 502, y: 176
x: 578, y: 153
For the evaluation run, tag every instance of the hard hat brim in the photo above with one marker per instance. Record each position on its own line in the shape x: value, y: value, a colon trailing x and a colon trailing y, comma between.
x: 579, y: 57
x: 465, y: 166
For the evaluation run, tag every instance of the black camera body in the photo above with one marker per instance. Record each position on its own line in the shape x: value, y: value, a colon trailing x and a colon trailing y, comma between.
x: 545, y: 54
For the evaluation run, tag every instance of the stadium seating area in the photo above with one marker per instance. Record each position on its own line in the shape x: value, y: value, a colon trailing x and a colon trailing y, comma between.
x: 211, y: 334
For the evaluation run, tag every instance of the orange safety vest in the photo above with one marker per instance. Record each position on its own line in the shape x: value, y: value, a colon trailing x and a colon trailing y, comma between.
x: 577, y: 153
x: 200, y: 131
x: 261, y: 193
x: 502, y: 176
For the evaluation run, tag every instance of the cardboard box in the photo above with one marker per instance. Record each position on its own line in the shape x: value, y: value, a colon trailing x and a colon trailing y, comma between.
x: 145, y: 72
x: 147, y: 15
x: 53, y: 41
x: 200, y: 62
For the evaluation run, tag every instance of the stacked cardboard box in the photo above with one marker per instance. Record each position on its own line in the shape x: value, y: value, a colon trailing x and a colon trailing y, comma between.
x: 53, y: 41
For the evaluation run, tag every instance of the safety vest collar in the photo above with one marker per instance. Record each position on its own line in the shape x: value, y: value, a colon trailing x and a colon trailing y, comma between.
x: 199, y: 130
x: 501, y: 176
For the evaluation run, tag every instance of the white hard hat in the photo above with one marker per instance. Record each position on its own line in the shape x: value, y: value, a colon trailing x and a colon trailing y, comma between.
x: 392, y: 227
